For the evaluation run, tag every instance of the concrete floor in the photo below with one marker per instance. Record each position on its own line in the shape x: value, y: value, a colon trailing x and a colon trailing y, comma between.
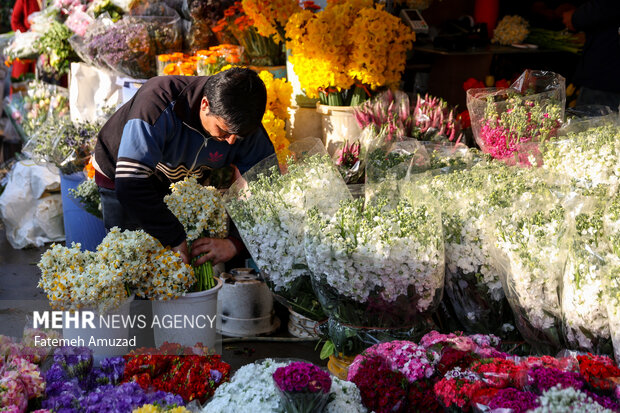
x: 19, y: 295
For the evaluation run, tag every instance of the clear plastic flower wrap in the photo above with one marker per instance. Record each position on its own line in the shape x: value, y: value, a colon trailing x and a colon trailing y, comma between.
x: 611, y: 226
x: 63, y: 143
x: 130, y: 46
x: 377, y: 268
x: 269, y: 208
x: 473, y: 285
x: 584, y: 307
x: 30, y: 110
x: 530, y: 110
x: 529, y: 247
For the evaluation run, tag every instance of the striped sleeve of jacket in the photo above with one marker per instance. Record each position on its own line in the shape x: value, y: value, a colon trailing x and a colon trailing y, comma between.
x: 137, y: 188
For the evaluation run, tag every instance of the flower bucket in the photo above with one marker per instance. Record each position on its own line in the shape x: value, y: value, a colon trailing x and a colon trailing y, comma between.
x: 80, y: 226
x: 338, y: 125
x: 197, y: 313
x: 301, y: 326
x: 104, y: 340
x: 339, y: 366
x: 304, y: 123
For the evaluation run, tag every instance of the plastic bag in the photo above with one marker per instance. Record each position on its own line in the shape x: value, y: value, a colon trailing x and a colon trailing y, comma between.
x: 530, y: 110
x: 94, y: 93
x: 377, y: 270
x: 529, y: 249
x: 30, y: 215
x: 268, y: 207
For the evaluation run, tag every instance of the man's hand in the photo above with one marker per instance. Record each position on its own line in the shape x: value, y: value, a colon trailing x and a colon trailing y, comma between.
x: 567, y: 18
x: 216, y: 250
x: 183, y: 251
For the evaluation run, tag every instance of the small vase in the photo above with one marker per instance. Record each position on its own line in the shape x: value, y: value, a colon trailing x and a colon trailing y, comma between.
x: 199, y: 309
x: 339, y: 366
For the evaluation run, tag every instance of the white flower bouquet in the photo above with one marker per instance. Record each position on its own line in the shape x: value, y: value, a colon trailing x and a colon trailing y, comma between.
x: 473, y: 284
x: 584, y: 309
x: 201, y: 211
x: 611, y: 227
x: 125, y: 263
x: 252, y: 389
x: 529, y: 235
x: 269, y: 210
x: 375, y: 268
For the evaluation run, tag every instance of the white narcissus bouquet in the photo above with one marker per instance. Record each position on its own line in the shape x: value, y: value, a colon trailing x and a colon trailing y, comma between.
x: 611, y: 226
x: 201, y: 211
x: 125, y: 263
x: 269, y: 210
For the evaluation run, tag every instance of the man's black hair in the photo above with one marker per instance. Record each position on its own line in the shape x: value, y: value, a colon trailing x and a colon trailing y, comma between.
x: 239, y: 97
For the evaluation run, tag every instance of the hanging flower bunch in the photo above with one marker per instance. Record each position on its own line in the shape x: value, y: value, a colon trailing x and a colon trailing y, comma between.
x: 510, y: 30
x: 279, y: 93
x: 269, y: 16
x: 347, y: 44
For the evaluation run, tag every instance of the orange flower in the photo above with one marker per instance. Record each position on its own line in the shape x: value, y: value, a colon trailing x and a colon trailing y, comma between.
x: 171, y: 69
x: 229, y: 12
x: 90, y: 169
x: 187, y: 68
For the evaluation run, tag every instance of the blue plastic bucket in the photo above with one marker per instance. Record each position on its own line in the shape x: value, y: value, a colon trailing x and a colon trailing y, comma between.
x: 80, y: 226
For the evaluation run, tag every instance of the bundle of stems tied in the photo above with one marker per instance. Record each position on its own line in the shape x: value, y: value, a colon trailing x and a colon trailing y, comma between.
x: 556, y: 40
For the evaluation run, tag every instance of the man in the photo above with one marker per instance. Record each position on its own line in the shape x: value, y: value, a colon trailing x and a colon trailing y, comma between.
x: 599, y: 68
x: 174, y: 126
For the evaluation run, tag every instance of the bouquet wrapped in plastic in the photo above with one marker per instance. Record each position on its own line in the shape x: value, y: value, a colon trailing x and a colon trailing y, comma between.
x: 63, y: 143
x: 611, y: 226
x: 377, y: 268
x: 473, y: 284
x: 530, y: 110
x: 584, y: 309
x: 303, y: 387
x: 130, y: 46
x: 269, y: 207
x: 529, y: 235
x: 28, y: 111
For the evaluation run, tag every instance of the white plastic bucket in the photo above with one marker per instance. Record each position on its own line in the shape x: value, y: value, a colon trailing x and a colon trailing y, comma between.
x: 338, y: 125
x: 187, y: 320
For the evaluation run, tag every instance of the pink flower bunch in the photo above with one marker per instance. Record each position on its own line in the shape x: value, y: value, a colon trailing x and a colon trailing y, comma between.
x: 503, y: 131
x: 412, y: 360
x: 457, y: 389
x: 302, y: 377
x: 482, y: 345
x: 20, y: 381
x: 349, y: 155
x: 78, y: 21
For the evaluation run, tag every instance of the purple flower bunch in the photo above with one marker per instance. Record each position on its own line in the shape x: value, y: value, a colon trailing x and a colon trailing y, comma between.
x: 302, y: 377
x: 514, y: 400
x: 74, y: 386
x: 544, y: 378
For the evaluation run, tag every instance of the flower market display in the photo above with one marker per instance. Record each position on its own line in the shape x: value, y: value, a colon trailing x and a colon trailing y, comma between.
x: 201, y: 211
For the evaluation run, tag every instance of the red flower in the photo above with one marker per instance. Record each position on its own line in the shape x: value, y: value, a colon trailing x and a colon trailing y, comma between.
x: 472, y: 83
x: 502, y: 84
x: 464, y: 118
x: 599, y: 371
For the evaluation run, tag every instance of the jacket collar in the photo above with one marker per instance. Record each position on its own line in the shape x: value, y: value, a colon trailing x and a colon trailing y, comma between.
x: 187, y: 104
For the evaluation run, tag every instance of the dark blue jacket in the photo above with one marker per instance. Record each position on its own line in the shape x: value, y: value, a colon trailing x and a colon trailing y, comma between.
x: 155, y: 139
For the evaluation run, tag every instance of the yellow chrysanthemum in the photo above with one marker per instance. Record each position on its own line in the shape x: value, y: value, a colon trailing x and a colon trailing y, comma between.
x: 511, y: 29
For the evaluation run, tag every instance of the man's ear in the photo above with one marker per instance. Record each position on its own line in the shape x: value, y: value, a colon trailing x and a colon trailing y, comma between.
x: 204, y: 105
